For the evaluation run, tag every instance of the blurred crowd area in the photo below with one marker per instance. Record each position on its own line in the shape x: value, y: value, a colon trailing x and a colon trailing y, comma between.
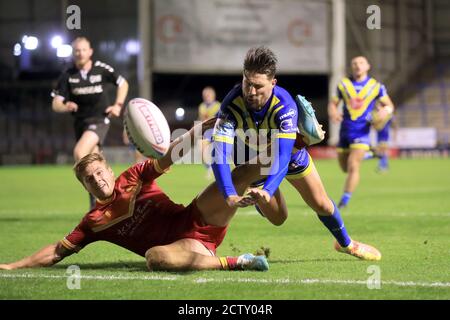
x: 410, y: 53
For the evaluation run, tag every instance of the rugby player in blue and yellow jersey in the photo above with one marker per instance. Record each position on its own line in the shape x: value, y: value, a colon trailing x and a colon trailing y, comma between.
x: 360, y: 94
x: 259, y: 107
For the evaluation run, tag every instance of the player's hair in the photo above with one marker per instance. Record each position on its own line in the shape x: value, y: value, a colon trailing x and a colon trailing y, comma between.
x: 360, y: 56
x: 261, y: 60
x: 80, y: 166
x: 78, y: 39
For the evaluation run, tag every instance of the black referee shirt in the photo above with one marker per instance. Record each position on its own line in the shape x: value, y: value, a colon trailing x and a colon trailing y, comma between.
x: 87, y: 90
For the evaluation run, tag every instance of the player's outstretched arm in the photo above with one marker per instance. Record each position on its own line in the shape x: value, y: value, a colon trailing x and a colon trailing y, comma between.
x: 181, y: 145
x: 45, y: 257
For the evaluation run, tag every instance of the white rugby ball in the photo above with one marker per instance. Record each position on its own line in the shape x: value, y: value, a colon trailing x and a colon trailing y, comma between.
x: 147, y: 128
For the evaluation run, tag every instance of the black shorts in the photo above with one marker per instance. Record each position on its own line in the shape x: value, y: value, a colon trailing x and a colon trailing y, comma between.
x: 99, y: 125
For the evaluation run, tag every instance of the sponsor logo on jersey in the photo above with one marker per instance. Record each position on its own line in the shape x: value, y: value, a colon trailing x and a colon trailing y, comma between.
x: 287, y: 126
x: 74, y: 80
x: 95, y: 78
x: 88, y: 90
x: 290, y: 113
x: 104, y: 65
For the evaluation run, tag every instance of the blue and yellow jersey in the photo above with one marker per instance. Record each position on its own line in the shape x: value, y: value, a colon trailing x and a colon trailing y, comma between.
x: 359, y: 101
x: 208, y: 111
x: 248, y: 132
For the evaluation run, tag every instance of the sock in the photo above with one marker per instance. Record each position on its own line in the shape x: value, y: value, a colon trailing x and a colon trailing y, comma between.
x: 345, y: 198
x: 335, y: 224
x: 228, y: 263
x: 383, y: 163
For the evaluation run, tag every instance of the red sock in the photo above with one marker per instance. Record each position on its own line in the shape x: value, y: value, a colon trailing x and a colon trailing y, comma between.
x: 228, y: 263
x: 232, y: 262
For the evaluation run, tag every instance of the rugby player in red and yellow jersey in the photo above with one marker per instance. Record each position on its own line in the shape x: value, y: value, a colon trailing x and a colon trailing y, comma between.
x: 134, y: 213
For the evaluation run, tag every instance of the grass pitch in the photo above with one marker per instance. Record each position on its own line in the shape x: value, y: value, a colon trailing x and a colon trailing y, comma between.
x: 405, y: 213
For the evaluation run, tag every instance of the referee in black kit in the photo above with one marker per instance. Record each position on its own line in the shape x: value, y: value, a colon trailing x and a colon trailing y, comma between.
x: 80, y: 90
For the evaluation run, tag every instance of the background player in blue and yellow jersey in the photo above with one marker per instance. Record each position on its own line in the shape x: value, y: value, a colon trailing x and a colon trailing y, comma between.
x: 206, y: 110
x: 360, y: 94
x: 259, y: 107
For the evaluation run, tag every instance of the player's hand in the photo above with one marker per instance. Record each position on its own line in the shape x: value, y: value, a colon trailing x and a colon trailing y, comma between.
x: 71, y: 106
x: 259, y: 195
x: 5, y: 267
x: 113, y: 111
x: 239, y: 202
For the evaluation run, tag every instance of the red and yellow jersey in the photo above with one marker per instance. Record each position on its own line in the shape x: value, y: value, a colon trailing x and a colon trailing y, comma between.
x: 139, y: 214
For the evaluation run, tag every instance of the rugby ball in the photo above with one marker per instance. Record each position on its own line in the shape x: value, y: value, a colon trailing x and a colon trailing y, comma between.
x: 381, y: 115
x: 147, y: 128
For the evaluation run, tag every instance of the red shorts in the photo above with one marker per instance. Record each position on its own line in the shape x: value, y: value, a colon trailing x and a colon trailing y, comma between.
x: 189, y: 224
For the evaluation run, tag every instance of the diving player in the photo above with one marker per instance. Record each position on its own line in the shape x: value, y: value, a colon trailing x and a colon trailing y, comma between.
x: 134, y: 213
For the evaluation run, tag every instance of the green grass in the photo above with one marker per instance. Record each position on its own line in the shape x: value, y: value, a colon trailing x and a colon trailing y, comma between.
x: 405, y: 213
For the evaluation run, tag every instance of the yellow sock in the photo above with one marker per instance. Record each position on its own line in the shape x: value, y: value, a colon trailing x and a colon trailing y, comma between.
x: 224, y: 263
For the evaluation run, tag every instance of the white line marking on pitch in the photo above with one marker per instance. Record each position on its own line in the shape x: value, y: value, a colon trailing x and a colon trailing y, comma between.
x: 228, y: 280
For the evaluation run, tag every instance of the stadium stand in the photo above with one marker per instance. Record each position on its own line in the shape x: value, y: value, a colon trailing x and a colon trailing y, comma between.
x: 427, y: 101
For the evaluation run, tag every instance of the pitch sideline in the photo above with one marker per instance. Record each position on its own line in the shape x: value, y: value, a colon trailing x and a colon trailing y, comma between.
x: 245, y: 280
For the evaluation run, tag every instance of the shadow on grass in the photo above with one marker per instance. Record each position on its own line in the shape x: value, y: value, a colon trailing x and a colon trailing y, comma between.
x: 33, y: 219
x: 127, y: 266
x: 311, y: 260
x: 10, y: 219
x: 124, y: 265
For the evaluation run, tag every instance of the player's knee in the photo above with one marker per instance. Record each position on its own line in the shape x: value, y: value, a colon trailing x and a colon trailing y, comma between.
x: 352, y: 166
x: 158, y: 258
x: 279, y: 219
